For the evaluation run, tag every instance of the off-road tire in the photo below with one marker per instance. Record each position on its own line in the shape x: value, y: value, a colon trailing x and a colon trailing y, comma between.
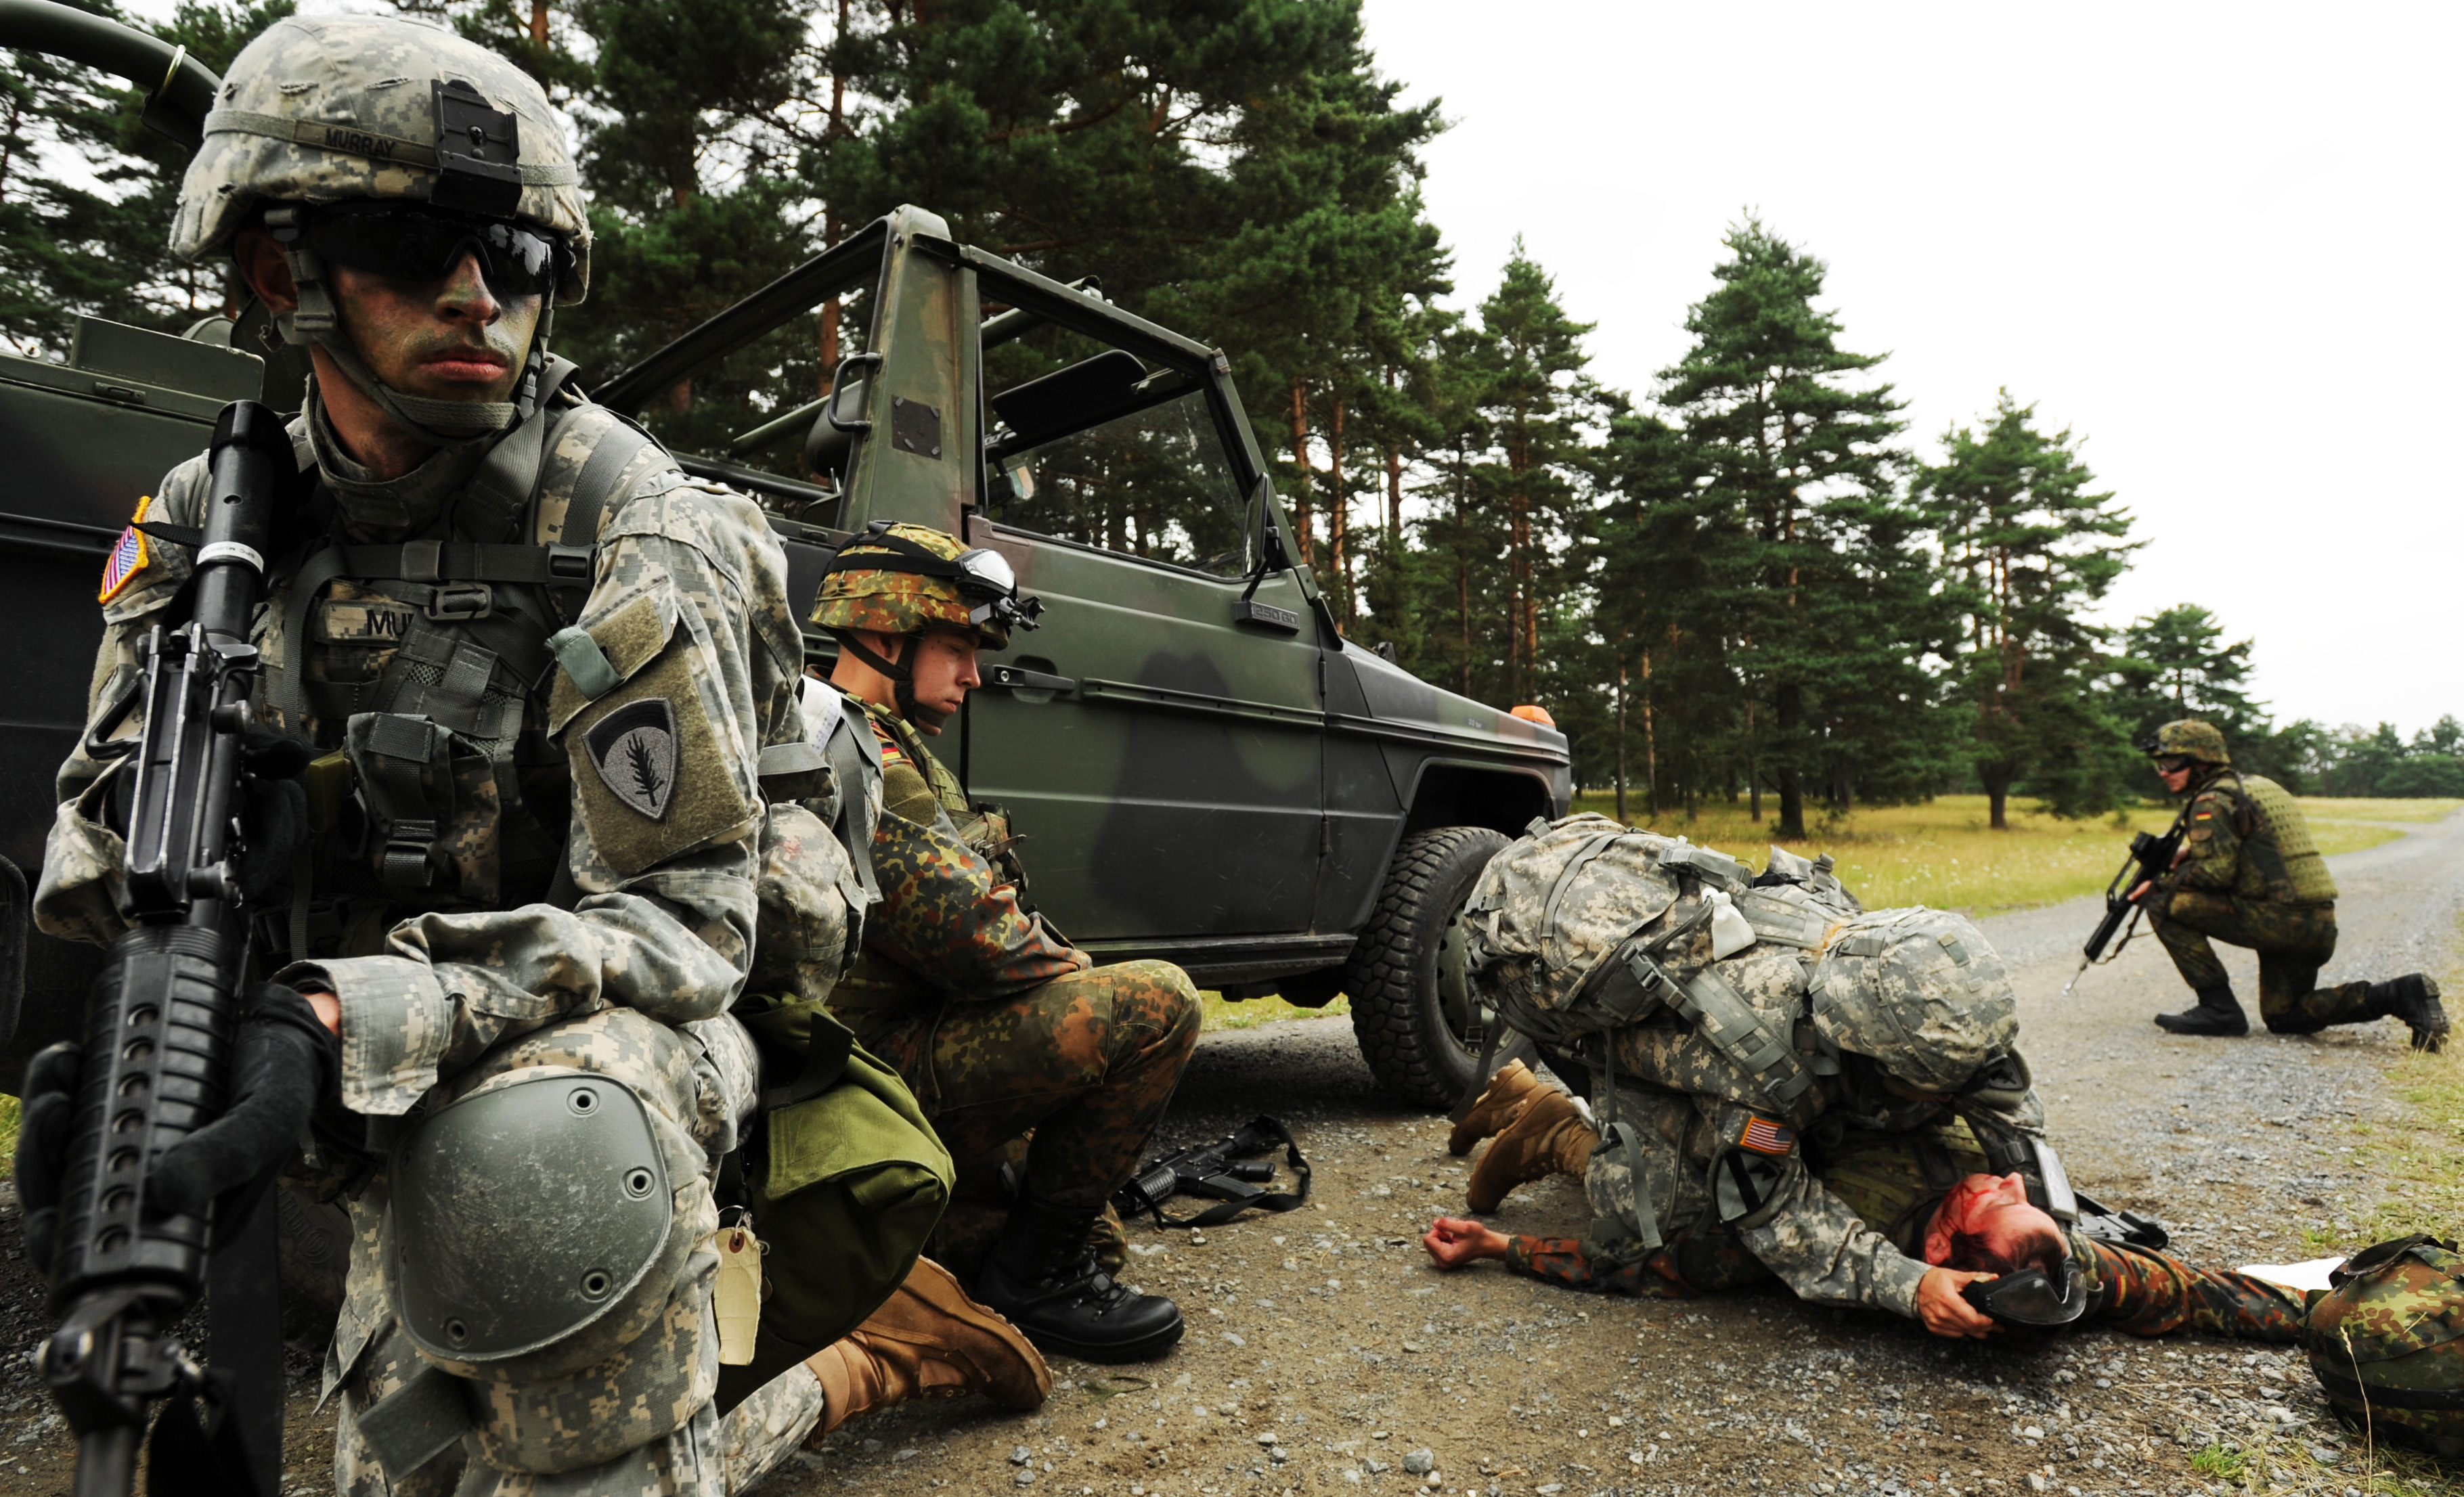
x: 1391, y: 975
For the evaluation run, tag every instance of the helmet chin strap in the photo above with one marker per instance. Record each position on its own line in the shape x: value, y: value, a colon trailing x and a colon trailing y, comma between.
x: 447, y: 423
x: 901, y: 677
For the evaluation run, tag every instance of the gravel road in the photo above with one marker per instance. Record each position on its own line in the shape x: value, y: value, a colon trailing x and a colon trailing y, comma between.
x: 1326, y: 1355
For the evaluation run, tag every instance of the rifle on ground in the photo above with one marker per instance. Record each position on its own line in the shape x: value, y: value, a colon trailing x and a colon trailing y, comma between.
x: 2150, y: 858
x: 160, y: 1026
x: 1222, y: 1170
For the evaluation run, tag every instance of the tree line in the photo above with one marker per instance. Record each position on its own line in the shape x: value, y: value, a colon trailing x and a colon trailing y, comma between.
x: 1742, y: 583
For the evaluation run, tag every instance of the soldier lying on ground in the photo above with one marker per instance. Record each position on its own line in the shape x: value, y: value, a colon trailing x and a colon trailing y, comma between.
x: 2250, y: 874
x: 1982, y: 1226
x: 995, y: 1019
x: 532, y: 865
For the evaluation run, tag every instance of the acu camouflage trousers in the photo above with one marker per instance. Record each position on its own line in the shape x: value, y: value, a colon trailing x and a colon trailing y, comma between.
x: 636, y: 1419
x: 1065, y: 1083
x: 2293, y: 942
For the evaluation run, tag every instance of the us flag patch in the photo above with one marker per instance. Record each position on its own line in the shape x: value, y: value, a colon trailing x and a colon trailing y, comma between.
x: 1765, y: 1136
x: 127, y: 555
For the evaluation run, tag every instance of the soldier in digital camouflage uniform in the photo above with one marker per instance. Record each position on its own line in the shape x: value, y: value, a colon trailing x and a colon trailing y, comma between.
x: 1924, y: 1197
x: 997, y: 1021
x: 536, y: 859
x: 2248, y: 875
x: 1755, y: 1069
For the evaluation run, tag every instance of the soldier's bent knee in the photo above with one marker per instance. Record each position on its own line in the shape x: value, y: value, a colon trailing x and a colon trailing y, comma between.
x: 546, y: 1238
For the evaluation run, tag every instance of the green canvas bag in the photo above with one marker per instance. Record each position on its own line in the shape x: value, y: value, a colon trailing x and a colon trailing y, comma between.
x: 844, y: 1188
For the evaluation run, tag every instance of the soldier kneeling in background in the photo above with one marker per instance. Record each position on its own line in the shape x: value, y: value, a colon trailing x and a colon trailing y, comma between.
x: 2248, y: 875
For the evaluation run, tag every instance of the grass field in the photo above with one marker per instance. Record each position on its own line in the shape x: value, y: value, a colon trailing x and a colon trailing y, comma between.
x: 1941, y: 854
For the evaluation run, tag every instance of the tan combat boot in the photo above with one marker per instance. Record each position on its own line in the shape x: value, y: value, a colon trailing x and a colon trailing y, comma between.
x: 1550, y: 1138
x: 1507, y: 1091
x: 930, y: 1341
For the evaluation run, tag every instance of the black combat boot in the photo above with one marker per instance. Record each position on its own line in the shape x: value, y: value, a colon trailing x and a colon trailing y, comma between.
x: 1041, y: 1274
x: 2414, y: 999
x: 2219, y: 1013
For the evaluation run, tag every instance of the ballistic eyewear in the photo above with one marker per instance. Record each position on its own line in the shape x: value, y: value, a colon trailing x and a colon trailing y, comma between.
x: 410, y: 241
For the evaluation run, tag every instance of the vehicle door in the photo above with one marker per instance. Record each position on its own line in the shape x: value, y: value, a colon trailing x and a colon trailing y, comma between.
x: 1157, y: 740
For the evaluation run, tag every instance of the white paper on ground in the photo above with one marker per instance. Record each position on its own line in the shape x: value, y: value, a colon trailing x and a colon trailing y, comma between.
x: 2311, y: 1275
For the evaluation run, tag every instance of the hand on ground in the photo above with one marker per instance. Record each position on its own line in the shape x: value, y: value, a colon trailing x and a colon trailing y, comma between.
x: 1454, y: 1243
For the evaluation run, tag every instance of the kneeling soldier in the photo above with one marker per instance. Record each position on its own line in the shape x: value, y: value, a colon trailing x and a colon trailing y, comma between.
x: 996, y: 1020
x: 2248, y: 875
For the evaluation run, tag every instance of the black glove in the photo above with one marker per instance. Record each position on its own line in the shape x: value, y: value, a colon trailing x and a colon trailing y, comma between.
x: 45, y: 1112
x: 283, y: 1060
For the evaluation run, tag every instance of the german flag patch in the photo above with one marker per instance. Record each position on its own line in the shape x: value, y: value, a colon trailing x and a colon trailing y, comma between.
x: 1765, y: 1136
x: 891, y: 752
x: 128, y: 556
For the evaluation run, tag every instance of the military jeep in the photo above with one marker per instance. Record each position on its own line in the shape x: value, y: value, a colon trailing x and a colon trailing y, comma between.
x: 1201, y: 769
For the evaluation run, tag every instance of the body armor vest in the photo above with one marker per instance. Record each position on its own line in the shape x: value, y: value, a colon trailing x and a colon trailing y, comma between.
x: 423, y: 669
x: 2280, y: 860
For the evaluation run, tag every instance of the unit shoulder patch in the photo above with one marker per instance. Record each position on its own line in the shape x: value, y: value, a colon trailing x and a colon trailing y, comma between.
x: 634, y: 750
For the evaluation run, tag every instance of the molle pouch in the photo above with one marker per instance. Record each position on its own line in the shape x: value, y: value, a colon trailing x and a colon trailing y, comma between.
x: 404, y: 765
x: 432, y: 803
x: 2386, y: 1343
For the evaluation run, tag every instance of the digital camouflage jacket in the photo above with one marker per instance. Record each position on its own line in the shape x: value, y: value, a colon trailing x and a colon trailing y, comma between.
x: 647, y: 781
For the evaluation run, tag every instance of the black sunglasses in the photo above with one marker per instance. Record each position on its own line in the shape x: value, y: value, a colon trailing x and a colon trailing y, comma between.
x: 417, y: 243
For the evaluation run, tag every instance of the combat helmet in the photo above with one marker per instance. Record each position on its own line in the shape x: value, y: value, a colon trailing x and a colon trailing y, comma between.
x: 2386, y: 1342
x: 370, y: 110
x: 905, y: 579
x: 2188, y: 737
x: 1921, y: 993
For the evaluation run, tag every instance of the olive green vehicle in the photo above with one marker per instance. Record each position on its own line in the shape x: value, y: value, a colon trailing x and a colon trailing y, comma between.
x: 1201, y: 769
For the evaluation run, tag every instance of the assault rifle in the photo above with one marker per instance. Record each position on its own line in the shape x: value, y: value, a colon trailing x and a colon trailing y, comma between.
x: 160, y: 1030
x: 2150, y: 858
x: 1223, y: 1170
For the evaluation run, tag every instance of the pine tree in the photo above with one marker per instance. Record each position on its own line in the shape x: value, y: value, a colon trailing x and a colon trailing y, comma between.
x: 103, y: 251
x: 1538, y: 404
x: 1813, y: 575
x: 2035, y: 550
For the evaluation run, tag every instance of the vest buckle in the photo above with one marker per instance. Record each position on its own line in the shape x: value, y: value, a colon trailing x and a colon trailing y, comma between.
x: 571, y: 563
x: 460, y: 602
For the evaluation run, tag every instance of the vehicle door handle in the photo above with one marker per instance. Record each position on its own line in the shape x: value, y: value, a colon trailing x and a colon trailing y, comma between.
x: 1027, y: 680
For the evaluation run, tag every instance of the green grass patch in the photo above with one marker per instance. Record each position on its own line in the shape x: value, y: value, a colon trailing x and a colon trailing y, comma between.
x: 1944, y: 852
x: 2218, y: 1464
x: 1248, y: 1013
x: 8, y: 1131
x: 2423, y: 1149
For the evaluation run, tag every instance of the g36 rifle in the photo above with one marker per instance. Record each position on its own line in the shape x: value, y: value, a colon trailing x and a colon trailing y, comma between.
x: 161, y: 1022
x: 2150, y: 858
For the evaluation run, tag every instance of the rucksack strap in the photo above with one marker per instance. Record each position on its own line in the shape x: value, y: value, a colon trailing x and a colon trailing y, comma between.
x: 1592, y: 847
x: 1609, y: 1232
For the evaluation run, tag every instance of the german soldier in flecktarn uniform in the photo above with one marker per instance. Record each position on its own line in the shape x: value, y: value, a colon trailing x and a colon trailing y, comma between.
x: 2248, y: 875
x: 997, y: 1021
x: 532, y: 671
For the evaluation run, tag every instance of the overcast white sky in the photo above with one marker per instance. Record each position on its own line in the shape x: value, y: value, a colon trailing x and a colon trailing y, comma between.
x: 2217, y: 242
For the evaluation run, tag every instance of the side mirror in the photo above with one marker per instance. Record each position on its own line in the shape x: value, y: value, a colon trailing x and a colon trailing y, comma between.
x: 1271, y: 558
x: 1271, y: 555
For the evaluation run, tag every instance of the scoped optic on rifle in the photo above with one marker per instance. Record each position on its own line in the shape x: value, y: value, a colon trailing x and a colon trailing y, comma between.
x: 161, y: 1022
x: 2150, y: 858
